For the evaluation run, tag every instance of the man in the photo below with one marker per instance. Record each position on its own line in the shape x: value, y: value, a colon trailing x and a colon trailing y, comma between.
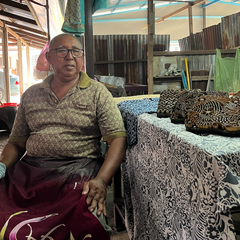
x: 58, y: 125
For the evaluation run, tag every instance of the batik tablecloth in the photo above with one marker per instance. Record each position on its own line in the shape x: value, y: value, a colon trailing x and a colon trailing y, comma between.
x: 179, y: 185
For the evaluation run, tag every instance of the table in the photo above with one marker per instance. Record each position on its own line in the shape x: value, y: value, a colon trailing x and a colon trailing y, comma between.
x: 118, y: 200
x: 133, y: 88
x: 178, y: 185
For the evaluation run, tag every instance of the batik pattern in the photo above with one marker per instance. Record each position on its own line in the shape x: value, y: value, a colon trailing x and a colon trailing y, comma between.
x: 179, y: 185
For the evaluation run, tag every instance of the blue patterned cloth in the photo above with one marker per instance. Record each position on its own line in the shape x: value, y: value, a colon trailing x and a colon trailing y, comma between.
x: 130, y: 111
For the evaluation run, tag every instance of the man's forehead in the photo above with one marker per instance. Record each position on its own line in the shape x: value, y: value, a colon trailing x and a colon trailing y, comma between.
x: 63, y: 41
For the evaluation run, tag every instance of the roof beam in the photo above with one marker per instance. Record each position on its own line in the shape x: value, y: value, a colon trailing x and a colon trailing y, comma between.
x: 12, y: 32
x: 30, y: 44
x: 26, y: 28
x: 2, y: 8
x: 34, y: 15
x: 10, y: 15
x: 159, y: 20
x: 30, y: 39
x: 15, y: 4
x: 118, y: 3
x: 208, y: 4
x: 181, y: 1
x: 20, y: 32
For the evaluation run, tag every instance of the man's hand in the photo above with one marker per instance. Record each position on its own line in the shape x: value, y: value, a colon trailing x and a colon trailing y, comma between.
x: 97, y: 191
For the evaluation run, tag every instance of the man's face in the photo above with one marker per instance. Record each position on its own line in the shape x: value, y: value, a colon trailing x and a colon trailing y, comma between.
x: 67, y: 67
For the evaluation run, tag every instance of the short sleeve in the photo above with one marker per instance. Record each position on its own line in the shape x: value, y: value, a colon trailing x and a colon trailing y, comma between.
x: 109, y: 117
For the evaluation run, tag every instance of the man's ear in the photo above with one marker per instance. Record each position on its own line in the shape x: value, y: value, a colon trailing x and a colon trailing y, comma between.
x: 47, y: 56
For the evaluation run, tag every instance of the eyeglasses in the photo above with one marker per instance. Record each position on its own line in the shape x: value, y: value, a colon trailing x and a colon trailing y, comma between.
x: 63, y: 52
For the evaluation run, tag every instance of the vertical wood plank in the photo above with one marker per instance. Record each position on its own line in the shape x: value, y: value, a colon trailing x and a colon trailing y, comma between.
x: 204, y: 16
x: 151, y: 32
x: 28, y: 66
x: 6, y: 63
x: 190, y: 26
x: 89, y: 39
x: 20, y: 70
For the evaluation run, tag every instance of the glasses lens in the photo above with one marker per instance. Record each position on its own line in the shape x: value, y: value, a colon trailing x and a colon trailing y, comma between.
x: 77, y: 53
x: 62, y: 52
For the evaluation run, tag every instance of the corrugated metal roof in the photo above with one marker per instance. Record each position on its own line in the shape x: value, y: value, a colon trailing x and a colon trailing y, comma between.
x: 224, y: 35
x: 22, y: 22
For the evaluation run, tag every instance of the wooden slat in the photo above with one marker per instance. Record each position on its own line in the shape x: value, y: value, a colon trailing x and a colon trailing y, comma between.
x: 43, y: 33
x: 34, y: 15
x: 2, y: 8
x: 29, y: 35
x: 6, y: 63
x: 20, y: 66
x: 151, y: 32
x: 195, y: 52
x: 23, y: 19
x: 28, y: 66
x: 15, y: 4
x: 13, y: 33
x: 159, y: 20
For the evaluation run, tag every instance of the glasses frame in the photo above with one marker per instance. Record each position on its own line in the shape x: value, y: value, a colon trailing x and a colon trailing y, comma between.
x: 68, y: 50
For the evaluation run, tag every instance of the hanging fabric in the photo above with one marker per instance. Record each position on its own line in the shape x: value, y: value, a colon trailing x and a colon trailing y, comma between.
x: 74, y: 19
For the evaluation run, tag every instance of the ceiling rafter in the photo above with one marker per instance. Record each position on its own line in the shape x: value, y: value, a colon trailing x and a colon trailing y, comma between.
x: 2, y: 8
x: 117, y: 4
x: 23, y: 19
x: 184, y: 8
x: 208, y: 4
x: 26, y: 28
x: 34, y: 15
x: 27, y: 34
x: 15, y: 5
x: 12, y: 32
x: 23, y: 24
x: 30, y: 43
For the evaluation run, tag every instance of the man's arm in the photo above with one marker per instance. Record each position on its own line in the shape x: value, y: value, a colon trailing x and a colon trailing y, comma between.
x: 97, y: 188
x: 11, y: 153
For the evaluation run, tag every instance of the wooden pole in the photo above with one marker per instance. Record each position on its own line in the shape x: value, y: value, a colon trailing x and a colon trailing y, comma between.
x: 6, y: 63
x: 89, y: 39
x: 190, y: 26
x: 204, y: 16
x: 159, y: 20
x: 151, y: 32
x: 48, y: 28
x: 28, y: 66
x: 20, y: 70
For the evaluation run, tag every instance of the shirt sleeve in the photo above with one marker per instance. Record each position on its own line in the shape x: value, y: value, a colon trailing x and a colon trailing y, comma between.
x: 109, y: 117
x: 20, y: 131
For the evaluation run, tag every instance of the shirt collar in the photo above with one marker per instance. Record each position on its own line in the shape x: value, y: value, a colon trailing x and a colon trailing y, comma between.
x: 84, y: 81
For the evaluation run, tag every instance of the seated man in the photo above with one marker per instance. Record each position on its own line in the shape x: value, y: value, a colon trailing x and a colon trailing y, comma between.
x: 56, y: 177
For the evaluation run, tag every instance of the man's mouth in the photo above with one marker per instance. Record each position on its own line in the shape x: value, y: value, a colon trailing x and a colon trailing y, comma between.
x: 69, y: 66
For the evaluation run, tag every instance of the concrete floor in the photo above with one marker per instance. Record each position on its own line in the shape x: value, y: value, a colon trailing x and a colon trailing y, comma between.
x: 109, y: 205
x: 116, y: 235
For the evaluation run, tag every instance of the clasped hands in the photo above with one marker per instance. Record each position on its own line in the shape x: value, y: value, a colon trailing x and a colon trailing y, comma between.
x: 96, y: 190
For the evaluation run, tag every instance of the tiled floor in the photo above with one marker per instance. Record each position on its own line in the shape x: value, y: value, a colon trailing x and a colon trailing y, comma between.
x: 116, y: 235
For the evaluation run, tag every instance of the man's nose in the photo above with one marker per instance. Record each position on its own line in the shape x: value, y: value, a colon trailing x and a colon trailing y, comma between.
x: 69, y: 54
